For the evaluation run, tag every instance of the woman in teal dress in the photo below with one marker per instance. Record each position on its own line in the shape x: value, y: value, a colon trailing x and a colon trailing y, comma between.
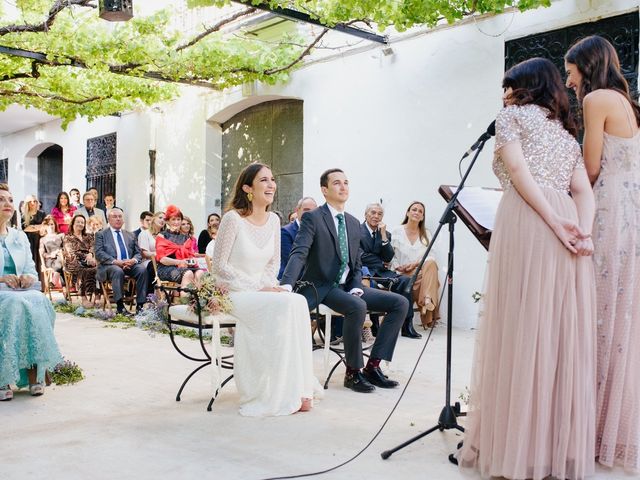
x: 28, y: 347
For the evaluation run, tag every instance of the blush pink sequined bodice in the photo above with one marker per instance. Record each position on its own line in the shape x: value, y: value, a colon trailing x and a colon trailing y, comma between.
x: 551, y: 153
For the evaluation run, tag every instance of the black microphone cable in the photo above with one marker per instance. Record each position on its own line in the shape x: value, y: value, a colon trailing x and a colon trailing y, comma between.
x: 386, y: 420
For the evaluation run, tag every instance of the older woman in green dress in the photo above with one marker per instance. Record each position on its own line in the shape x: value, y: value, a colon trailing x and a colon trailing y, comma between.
x: 28, y: 347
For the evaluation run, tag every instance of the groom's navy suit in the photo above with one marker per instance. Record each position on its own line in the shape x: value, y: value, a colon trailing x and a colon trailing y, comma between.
x: 315, y: 257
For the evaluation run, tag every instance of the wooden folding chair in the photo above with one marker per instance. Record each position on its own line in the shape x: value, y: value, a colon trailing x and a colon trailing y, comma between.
x: 161, y: 283
x: 70, y: 288
x: 47, y: 275
x: 128, y: 293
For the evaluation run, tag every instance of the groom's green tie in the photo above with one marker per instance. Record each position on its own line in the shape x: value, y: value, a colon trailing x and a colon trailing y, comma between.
x: 344, y: 249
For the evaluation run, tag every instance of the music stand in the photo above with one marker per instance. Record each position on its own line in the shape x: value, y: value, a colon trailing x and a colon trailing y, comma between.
x: 473, y: 207
x: 448, y: 416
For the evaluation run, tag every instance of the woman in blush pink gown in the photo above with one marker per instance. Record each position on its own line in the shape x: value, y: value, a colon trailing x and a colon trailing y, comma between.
x: 532, y: 401
x: 612, y: 158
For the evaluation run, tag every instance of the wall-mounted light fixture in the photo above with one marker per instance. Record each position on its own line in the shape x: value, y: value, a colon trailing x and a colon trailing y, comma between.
x: 39, y: 135
x: 116, y: 10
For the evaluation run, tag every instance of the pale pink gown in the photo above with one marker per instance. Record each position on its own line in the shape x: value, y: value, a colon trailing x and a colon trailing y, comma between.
x: 532, y: 402
x: 617, y: 263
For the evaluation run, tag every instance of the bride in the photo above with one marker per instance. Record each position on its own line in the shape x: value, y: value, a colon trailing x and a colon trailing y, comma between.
x: 273, y: 363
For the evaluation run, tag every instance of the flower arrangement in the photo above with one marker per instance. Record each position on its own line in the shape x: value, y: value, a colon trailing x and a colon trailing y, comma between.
x: 153, y: 316
x: 212, y: 297
x: 66, y: 372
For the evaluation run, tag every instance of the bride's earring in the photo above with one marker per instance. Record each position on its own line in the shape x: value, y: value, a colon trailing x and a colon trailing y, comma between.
x: 250, y: 197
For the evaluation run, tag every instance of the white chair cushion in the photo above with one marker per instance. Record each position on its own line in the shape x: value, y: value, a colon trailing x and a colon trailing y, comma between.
x: 182, y: 312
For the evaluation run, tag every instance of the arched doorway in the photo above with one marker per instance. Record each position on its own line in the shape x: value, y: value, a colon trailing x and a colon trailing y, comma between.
x: 49, y: 176
x: 43, y: 173
x: 271, y: 133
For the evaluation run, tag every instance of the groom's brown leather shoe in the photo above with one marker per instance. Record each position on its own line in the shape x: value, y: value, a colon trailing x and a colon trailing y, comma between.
x: 379, y: 379
x: 358, y: 383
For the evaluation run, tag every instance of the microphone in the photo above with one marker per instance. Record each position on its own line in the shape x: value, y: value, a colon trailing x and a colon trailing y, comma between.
x: 491, y: 131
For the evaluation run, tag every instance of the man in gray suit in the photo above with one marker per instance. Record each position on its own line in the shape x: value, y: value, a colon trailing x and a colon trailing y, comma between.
x: 118, y: 256
x: 326, y: 252
x: 89, y: 208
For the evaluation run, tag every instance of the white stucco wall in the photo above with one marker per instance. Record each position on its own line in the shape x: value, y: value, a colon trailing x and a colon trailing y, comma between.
x: 396, y: 124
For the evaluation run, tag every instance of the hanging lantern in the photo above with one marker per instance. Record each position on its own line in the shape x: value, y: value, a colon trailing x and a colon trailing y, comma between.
x: 116, y: 10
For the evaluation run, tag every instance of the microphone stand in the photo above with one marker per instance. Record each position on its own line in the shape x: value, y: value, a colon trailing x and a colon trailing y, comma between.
x: 448, y: 415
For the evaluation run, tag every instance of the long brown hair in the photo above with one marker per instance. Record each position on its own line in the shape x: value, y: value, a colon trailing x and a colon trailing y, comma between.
x: 239, y: 201
x: 537, y: 81
x: 424, y: 237
x: 598, y: 62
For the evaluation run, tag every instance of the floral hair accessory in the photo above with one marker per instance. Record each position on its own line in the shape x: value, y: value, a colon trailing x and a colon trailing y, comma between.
x: 172, y: 211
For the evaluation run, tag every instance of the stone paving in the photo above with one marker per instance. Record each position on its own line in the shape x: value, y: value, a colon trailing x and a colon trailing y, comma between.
x: 123, y: 422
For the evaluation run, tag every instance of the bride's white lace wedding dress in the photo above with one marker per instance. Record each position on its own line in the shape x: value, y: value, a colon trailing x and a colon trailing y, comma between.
x: 273, y: 367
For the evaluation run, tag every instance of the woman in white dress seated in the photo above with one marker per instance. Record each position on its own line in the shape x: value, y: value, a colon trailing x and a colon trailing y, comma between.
x: 409, y: 241
x: 273, y: 367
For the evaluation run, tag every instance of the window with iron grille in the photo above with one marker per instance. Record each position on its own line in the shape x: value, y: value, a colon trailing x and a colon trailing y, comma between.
x: 4, y: 170
x: 101, y: 164
x: 621, y: 31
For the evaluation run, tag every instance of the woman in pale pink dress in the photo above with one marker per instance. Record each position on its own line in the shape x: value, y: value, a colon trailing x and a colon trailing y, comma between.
x: 532, y: 402
x: 612, y: 158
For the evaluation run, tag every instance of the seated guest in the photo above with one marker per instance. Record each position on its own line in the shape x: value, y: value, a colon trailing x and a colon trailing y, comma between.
x: 28, y: 347
x: 377, y: 252
x: 32, y: 218
x: 186, y: 228
x: 213, y: 222
x: 94, y: 225
x: 147, y: 244
x: 63, y: 212
x: 145, y: 222
x: 79, y: 259
x: 147, y: 238
x: 74, y: 197
x: 273, y: 365
x: 410, y: 240
x: 209, y: 251
x: 89, y: 208
x: 288, y: 232
x: 174, y: 251
x: 109, y: 203
x: 51, y: 249
x: 118, y: 256
x: 94, y: 191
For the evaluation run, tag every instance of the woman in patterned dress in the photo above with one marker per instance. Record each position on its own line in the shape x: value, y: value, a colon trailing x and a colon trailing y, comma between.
x: 612, y: 159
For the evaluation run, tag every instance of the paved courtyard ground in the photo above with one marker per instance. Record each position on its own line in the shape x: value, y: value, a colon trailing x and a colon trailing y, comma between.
x: 123, y: 422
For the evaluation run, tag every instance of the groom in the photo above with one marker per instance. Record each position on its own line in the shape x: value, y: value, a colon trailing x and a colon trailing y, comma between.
x: 326, y: 252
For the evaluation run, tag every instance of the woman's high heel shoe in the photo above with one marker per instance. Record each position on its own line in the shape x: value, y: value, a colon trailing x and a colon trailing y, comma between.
x: 428, y: 306
x: 36, y: 389
x: 6, y: 393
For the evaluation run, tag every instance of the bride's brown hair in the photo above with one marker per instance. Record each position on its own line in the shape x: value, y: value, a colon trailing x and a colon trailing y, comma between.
x: 240, y: 201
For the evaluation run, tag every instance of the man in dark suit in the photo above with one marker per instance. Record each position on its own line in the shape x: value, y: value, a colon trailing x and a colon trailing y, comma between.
x: 326, y: 252
x: 118, y: 256
x: 377, y: 251
x: 288, y: 232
